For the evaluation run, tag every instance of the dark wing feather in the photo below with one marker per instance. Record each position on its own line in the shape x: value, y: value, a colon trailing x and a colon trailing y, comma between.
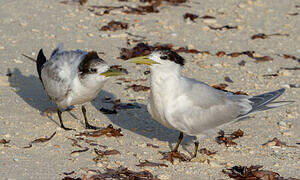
x: 41, y: 60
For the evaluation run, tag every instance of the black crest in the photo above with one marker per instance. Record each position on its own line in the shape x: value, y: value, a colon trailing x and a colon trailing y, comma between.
x: 89, y: 61
x: 172, y: 56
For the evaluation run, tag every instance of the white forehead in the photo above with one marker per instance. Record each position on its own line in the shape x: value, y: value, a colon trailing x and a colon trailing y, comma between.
x: 155, y: 55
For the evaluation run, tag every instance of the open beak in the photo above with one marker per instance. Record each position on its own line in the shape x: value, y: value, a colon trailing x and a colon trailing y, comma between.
x: 142, y: 60
x: 113, y: 72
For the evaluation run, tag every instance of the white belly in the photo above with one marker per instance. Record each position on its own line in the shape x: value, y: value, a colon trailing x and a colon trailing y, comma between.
x: 156, y: 108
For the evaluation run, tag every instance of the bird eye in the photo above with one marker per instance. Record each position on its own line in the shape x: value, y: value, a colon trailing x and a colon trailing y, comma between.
x: 93, y: 70
x: 164, y: 57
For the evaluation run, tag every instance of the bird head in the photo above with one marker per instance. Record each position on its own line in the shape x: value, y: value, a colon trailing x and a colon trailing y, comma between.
x: 159, y: 58
x: 93, y: 65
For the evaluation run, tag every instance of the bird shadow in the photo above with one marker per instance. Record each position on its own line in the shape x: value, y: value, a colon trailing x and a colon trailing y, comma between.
x: 31, y: 90
x: 139, y: 121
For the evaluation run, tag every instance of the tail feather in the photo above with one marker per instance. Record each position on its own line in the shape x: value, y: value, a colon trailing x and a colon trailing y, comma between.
x: 41, y: 59
x: 265, y: 101
x: 272, y: 105
x: 259, y: 101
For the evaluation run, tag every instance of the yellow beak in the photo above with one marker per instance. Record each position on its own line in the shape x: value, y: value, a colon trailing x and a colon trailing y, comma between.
x: 142, y: 60
x: 112, y: 72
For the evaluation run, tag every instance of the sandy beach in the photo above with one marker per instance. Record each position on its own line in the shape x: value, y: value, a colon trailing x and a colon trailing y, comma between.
x: 249, y: 46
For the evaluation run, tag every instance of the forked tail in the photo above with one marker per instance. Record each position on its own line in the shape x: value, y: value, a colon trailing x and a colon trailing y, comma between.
x: 265, y: 101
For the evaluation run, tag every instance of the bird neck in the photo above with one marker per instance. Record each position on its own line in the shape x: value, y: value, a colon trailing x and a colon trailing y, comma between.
x: 167, y: 76
x: 92, y: 81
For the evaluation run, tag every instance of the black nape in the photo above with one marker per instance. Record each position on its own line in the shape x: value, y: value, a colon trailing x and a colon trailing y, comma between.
x: 87, y: 64
x: 172, y: 56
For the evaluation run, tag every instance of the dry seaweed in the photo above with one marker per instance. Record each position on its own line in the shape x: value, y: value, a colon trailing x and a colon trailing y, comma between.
x: 263, y: 59
x: 208, y: 17
x: 175, y: 2
x: 75, y: 142
x: 221, y: 86
x: 252, y: 172
x: 92, y: 143
x: 141, y: 10
x: 40, y: 140
x: 286, y: 56
x: 108, y: 111
x: 4, y: 141
x: 131, y: 80
x: 137, y: 87
x: 69, y: 173
x: 106, y: 11
x: 101, y: 154
x: 207, y: 152
x: 119, y: 67
x: 109, y: 131
x: 106, y: 153
x: 220, y: 53
x: 242, y: 63
x: 240, y: 93
x: 152, y: 145
x: 186, y: 50
x: 169, y: 156
x: 118, y: 105
x: 81, y: 2
x: 294, y: 14
x: 151, y: 164
x: 123, y: 173
x: 248, y: 53
x: 223, y: 27
x: 114, y: 26
x: 264, y: 36
x: 228, y: 140
x: 294, y: 85
x: 227, y: 79
x: 143, y: 49
x: 276, y: 142
x: 70, y: 178
x: 292, y: 69
x: 270, y: 75
x: 80, y: 151
x: 190, y: 16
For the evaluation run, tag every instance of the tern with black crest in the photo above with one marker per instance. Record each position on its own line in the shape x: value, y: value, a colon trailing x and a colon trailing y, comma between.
x: 193, y: 107
x: 73, y: 77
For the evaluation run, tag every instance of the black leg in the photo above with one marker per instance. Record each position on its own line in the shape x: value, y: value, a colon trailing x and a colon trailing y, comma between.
x: 87, y: 125
x: 61, y: 123
x: 178, y: 142
x: 196, y: 148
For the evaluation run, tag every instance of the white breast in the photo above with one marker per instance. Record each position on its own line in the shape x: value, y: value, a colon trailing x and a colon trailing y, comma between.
x: 163, y: 91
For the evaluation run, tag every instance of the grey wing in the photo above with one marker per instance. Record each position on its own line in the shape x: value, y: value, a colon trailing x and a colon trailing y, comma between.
x: 203, y: 108
x: 56, y: 86
x: 59, y: 72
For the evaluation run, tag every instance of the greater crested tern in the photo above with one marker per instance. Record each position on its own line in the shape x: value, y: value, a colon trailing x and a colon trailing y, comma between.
x: 73, y: 77
x: 193, y: 107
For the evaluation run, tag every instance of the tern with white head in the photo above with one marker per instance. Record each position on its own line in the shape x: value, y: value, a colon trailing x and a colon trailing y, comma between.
x: 193, y: 107
x: 73, y: 77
